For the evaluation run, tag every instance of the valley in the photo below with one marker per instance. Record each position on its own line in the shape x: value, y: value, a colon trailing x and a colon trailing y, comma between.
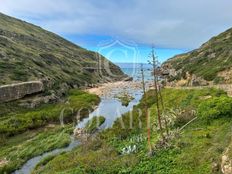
x: 68, y: 110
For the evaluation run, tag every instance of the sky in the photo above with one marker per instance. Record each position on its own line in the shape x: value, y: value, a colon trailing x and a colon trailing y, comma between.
x: 124, y: 30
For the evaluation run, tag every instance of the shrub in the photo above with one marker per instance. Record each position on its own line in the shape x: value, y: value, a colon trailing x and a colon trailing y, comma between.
x: 219, y: 80
x: 215, y: 108
x: 184, y: 117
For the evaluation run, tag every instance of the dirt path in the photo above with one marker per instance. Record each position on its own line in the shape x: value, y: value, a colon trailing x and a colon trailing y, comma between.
x: 226, y: 87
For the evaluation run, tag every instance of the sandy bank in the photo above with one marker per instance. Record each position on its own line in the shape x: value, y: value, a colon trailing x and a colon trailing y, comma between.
x: 107, y: 89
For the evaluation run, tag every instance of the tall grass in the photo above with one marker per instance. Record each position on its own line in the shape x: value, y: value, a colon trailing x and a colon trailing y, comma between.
x: 18, y: 149
x: 11, y: 125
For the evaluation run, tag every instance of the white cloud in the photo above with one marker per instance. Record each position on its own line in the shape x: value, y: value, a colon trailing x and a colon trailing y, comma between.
x: 167, y: 23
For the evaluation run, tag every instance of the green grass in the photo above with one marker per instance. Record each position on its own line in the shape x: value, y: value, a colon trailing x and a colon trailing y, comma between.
x: 44, y: 161
x: 27, y: 133
x: 18, y: 149
x: 94, y: 157
x: 196, y: 150
x: 184, y: 100
x: 93, y: 124
x: 197, y: 147
x: 50, y: 113
x: 216, y: 107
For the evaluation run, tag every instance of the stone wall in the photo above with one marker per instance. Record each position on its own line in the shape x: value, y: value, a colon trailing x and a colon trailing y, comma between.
x: 19, y: 90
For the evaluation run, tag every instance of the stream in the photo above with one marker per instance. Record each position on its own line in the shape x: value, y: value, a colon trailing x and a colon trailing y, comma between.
x: 109, y: 107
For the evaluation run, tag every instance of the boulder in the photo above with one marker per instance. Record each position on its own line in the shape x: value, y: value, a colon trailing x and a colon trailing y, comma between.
x: 19, y: 90
x: 226, y: 161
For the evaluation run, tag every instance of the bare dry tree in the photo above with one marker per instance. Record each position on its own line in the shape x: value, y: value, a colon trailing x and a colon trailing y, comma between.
x: 162, y: 104
x: 163, y: 110
x: 146, y: 113
x: 155, y: 81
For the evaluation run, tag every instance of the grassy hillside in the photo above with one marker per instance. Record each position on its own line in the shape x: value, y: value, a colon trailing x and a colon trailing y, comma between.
x: 196, y: 149
x: 28, y: 52
x: 212, y: 61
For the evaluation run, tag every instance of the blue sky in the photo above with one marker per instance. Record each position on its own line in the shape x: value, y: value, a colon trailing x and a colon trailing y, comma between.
x: 120, y: 50
x: 172, y: 26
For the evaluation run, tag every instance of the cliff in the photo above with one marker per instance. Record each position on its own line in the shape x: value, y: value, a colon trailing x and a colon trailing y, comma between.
x: 211, y: 62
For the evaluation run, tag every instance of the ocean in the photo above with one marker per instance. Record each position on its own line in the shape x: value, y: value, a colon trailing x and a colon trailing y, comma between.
x: 134, y: 70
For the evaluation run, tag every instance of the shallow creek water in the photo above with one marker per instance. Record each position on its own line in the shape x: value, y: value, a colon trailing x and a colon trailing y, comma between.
x: 109, y: 107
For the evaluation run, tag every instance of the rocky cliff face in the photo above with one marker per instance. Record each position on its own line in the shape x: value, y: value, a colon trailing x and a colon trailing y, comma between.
x: 211, y: 62
x: 19, y: 90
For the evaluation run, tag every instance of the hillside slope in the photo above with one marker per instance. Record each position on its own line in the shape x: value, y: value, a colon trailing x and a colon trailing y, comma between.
x: 28, y: 52
x: 212, y: 61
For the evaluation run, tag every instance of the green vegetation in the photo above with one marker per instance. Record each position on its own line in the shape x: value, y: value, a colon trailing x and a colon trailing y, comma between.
x: 26, y: 133
x: 207, y: 61
x: 125, y: 98
x: 47, y: 55
x: 61, y: 65
x: 194, y: 150
x: 51, y: 113
x: 30, y: 133
x: 94, y: 157
x: 93, y: 124
x: 216, y: 108
x: 44, y: 161
x: 18, y: 149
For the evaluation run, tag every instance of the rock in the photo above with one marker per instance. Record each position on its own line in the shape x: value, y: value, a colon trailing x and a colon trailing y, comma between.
x: 78, y: 132
x: 19, y: 90
x: 3, y: 162
x: 38, y: 100
x: 215, y: 167
x: 226, y: 164
x: 2, y: 55
x: 128, y: 79
x: 51, y: 126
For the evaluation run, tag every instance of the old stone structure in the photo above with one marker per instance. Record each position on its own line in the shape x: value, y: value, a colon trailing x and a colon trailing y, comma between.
x: 19, y: 90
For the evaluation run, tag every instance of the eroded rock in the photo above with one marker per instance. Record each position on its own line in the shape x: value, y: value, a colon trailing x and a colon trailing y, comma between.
x: 19, y: 90
x: 226, y: 164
